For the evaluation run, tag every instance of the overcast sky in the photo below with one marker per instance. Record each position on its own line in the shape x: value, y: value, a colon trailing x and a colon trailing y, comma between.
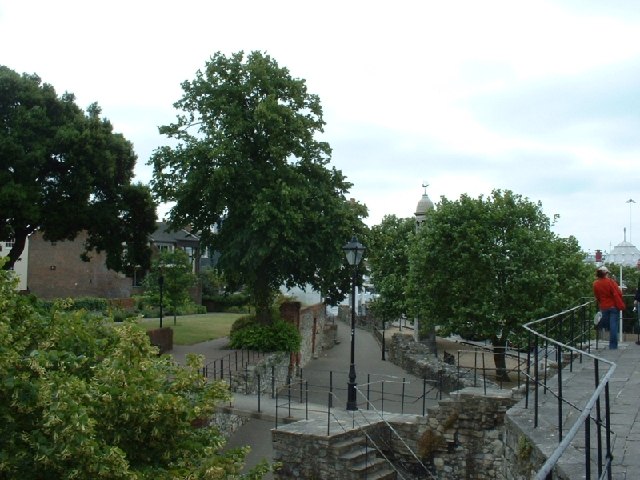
x: 542, y: 98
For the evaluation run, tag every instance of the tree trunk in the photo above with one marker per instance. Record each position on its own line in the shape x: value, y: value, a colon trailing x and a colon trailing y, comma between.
x: 430, y: 340
x: 19, y: 241
x: 500, y: 359
x: 263, y: 297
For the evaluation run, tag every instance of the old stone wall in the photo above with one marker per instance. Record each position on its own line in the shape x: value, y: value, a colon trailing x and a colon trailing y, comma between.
x: 416, y: 358
x: 307, y: 450
x: 275, y: 370
x: 271, y: 372
x: 466, y: 436
x: 461, y: 438
x: 317, y: 332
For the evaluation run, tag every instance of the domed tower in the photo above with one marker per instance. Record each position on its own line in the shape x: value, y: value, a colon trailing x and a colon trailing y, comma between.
x: 425, y: 205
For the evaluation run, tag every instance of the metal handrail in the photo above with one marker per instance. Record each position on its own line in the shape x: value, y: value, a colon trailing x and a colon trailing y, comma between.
x: 545, y: 471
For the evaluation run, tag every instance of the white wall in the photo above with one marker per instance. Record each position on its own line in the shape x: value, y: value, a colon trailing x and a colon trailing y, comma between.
x: 21, y: 265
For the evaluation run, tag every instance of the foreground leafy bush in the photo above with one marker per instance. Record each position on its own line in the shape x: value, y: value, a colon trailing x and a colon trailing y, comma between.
x: 278, y: 336
x: 86, y: 399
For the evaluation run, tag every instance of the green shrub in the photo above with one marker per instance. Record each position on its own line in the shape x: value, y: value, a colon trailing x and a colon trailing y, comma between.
x: 220, y: 303
x: 241, y: 323
x: 89, y: 304
x: 120, y: 315
x: 278, y: 336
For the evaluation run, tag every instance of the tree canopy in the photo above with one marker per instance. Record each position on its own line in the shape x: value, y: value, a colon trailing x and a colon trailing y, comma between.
x: 247, y: 172
x: 63, y: 171
x: 83, y: 398
x: 388, y: 261
x: 489, y: 265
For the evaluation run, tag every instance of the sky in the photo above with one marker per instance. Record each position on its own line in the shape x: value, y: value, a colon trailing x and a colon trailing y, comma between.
x: 541, y: 98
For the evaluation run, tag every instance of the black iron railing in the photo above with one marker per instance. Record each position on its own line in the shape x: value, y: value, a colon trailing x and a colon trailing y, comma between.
x: 555, y: 343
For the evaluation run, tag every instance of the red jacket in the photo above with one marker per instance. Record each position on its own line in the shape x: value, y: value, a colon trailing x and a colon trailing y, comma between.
x: 608, y: 294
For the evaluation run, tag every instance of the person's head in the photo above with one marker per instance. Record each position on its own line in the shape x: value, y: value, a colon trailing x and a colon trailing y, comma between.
x: 602, y: 272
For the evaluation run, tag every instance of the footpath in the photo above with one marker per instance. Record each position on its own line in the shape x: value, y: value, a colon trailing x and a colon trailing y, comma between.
x: 624, y: 389
x: 369, y: 366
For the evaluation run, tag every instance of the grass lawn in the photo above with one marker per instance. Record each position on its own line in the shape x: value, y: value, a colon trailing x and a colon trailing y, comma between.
x: 190, y: 329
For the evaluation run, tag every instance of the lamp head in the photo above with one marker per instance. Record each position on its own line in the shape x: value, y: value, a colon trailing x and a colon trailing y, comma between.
x: 353, y: 250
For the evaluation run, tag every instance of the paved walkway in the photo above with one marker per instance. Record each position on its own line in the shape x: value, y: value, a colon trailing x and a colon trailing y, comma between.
x: 624, y: 394
x: 331, y: 366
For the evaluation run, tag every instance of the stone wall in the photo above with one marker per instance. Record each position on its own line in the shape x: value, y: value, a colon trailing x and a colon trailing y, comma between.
x: 317, y: 332
x: 461, y: 438
x: 416, y: 358
x: 307, y: 450
x: 276, y: 369
x: 527, y: 448
x: 466, y: 436
x: 270, y: 372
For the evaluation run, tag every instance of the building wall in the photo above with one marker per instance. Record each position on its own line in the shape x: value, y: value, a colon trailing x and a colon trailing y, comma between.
x: 55, y: 270
x: 20, y: 267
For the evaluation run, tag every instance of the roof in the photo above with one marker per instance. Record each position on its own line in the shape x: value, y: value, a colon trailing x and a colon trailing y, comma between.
x: 424, y: 205
x: 625, y: 253
x: 164, y: 234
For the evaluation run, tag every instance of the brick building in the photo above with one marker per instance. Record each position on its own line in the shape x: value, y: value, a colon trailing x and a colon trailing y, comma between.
x: 55, y: 269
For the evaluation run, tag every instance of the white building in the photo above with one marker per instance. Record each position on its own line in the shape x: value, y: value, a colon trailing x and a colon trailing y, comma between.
x: 625, y: 253
x: 20, y: 267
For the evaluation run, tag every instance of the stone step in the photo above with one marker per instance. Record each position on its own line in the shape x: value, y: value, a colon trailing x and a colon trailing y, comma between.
x: 348, y: 445
x: 358, y: 454
x: 370, y: 466
x: 383, y: 474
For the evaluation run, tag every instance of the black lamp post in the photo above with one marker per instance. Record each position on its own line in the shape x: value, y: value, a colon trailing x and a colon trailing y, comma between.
x: 384, y: 347
x: 161, y: 284
x: 353, y: 251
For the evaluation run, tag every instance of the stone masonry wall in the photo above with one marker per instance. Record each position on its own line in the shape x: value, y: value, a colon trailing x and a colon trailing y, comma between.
x: 275, y: 369
x: 461, y: 438
x: 466, y: 436
x: 317, y: 333
x: 306, y: 450
x: 415, y: 358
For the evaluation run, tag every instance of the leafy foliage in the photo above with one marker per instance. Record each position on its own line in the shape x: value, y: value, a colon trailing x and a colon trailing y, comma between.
x: 64, y: 171
x: 279, y: 336
x: 489, y: 265
x: 388, y: 261
x: 90, y: 304
x: 247, y: 163
x: 176, y: 271
x: 84, y: 399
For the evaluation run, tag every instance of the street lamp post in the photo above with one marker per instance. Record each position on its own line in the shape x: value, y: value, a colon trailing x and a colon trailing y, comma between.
x: 353, y: 251
x: 384, y: 347
x: 161, y: 284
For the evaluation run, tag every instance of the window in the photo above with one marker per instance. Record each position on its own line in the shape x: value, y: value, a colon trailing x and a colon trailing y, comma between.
x: 9, y: 243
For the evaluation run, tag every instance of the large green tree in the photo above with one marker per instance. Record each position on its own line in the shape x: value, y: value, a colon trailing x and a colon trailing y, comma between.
x: 81, y: 398
x: 388, y: 261
x: 489, y: 265
x: 63, y: 170
x: 248, y: 173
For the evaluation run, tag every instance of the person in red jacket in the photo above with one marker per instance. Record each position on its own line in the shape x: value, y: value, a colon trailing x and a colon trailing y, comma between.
x: 610, y: 303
